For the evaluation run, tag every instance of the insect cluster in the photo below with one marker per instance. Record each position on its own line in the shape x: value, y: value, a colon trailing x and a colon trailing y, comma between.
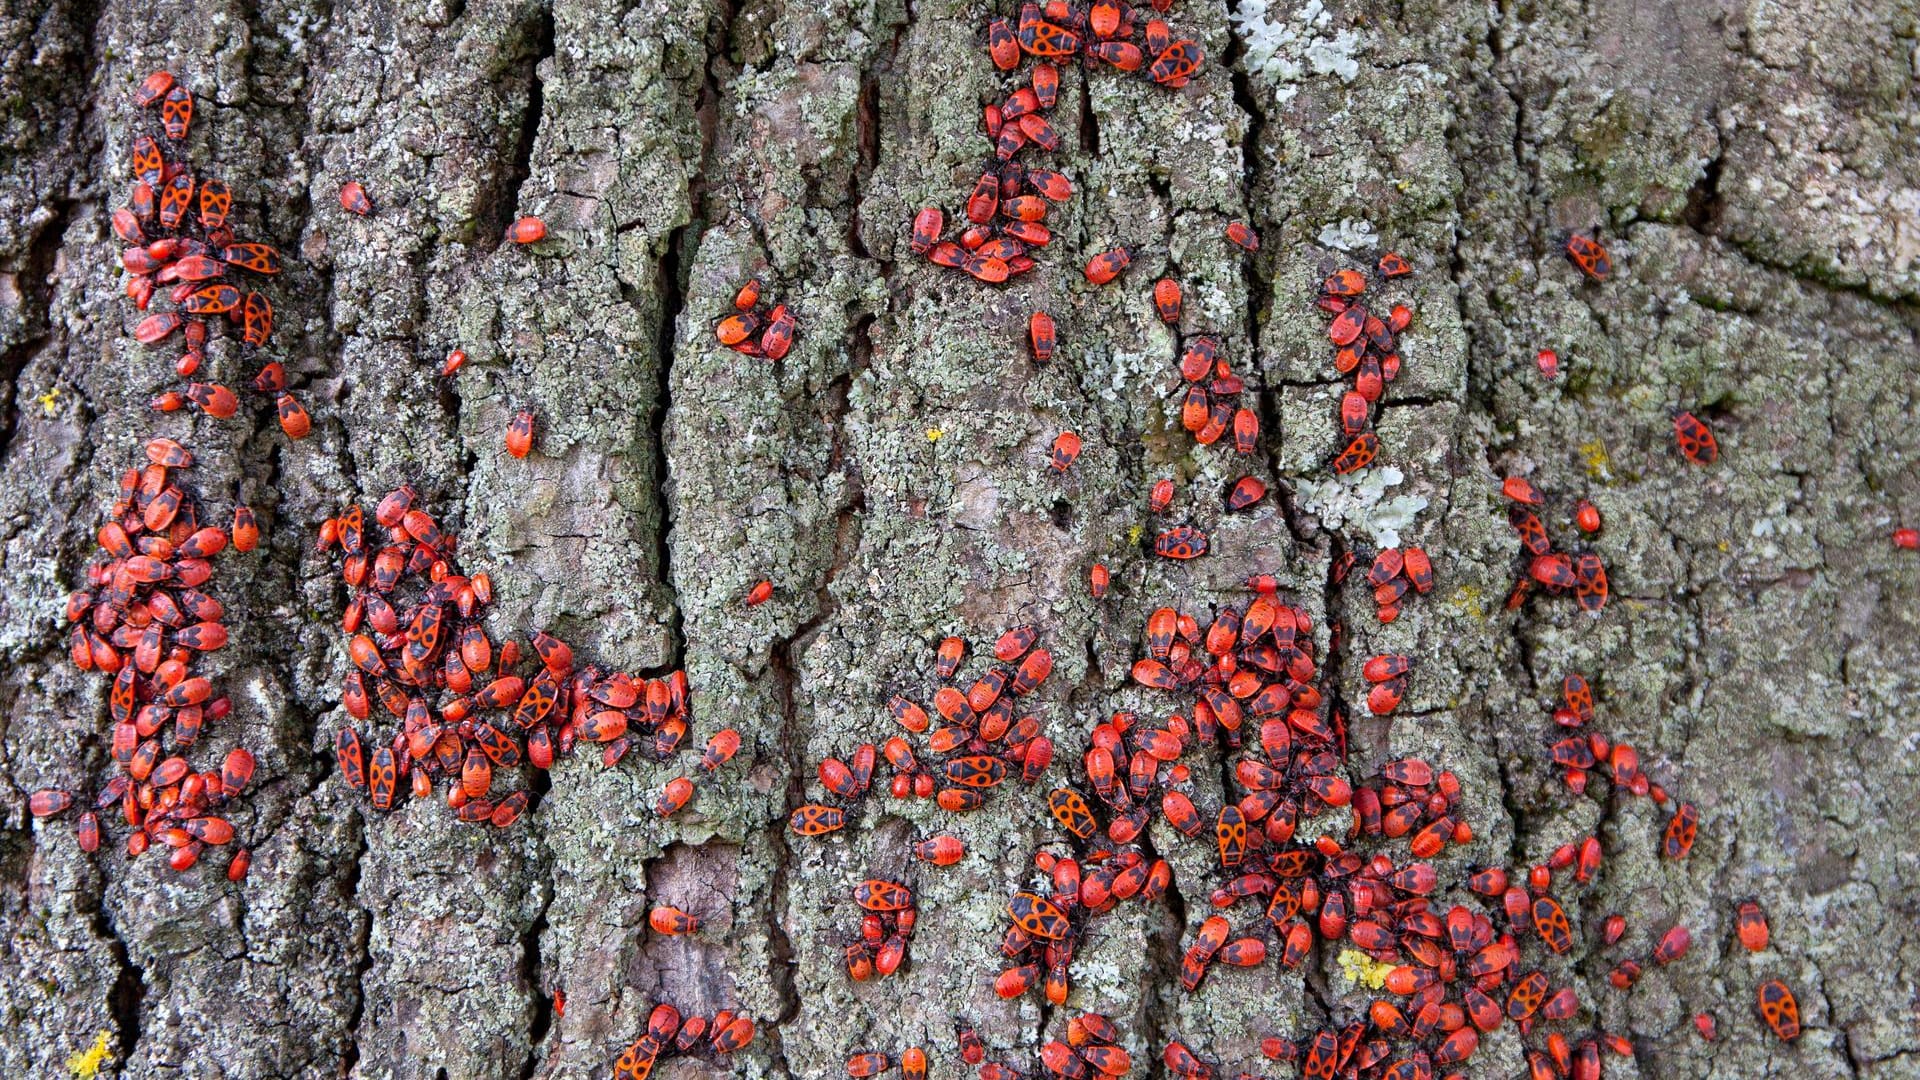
x: 1393, y: 574
x: 754, y: 329
x: 143, y: 621
x: 1210, y: 406
x: 866, y: 1063
x: 1263, y: 657
x: 1455, y: 975
x: 670, y: 1036
x: 1314, y: 856
x: 193, y: 254
x: 886, y: 928
x: 416, y: 634
x: 1048, y: 922
x: 1367, y: 348
x: 1007, y: 209
x: 979, y: 746
x: 1582, y: 573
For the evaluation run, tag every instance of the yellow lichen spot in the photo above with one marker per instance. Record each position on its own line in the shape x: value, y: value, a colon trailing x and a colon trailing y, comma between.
x: 1468, y: 601
x: 47, y: 399
x: 934, y: 434
x: 1363, y: 970
x: 85, y: 1065
x: 1134, y: 534
x: 1595, y: 455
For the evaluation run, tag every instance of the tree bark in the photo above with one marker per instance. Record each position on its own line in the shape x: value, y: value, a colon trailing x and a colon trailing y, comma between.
x: 1752, y: 167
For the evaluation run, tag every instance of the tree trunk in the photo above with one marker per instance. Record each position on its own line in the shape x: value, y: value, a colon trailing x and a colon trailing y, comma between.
x: 1752, y: 168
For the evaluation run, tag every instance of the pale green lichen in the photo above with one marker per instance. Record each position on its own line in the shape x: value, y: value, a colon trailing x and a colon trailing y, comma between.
x: 1283, y: 51
x: 1348, y: 234
x: 1358, y: 501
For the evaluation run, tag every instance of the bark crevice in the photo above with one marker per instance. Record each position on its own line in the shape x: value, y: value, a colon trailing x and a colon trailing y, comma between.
x: 36, y: 314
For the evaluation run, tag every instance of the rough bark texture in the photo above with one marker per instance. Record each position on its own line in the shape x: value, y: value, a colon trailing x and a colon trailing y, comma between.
x: 1753, y: 166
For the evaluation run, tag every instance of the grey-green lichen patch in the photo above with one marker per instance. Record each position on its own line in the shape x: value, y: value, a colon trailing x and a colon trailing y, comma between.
x: 1284, y: 46
x: 1361, y: 502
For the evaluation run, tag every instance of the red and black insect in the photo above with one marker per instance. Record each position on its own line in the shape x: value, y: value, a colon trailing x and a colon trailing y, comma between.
x: 176, y: 112
x: 1586, y: 253
x: 1590, y: 583
x: 1176, y: 64
x: 1066, y: 450
x: 1040, y: 334
x: 1751, y: 923
x: 520, y: 433
x: 1682, y: 829
x: 1359, y: 453
x: 1779, y: 1009
x: 1247, y: 491
x: 1107, y: 265
x: 928, y: 224
x: 353, y: 199
x: 1695, y: 439
x: 1181, y: 542
x: 527, y: 230
x: 1167, y: 300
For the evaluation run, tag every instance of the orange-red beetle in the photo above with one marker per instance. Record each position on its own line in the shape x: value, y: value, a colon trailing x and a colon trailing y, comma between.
x: 293, y: 416
x: 1066, y: 450
x: 1176, y: 64
x: 1682, y: 828
x: 941, y: 850
x: 671, y: 921
x: 777, y: 339
x: 1779, y: 1009
x: 527, y: 230
x: 1587, y: 254
x: 353, y: 199
x: 1752, y: 924
x: 520, y: 434
x: 928, y: 224
x: 256, y: 319
x: 1587, y: 517
x: 1040, y: 333
x: 176, y: 112
x: 1246, y: 491
x: 1107, y: 265
x: 1695, y: 439
x: 1181, y: 542
x: 1166, y: 299
x: 680, y: 789
x: 1359, y: 453
x: 1002, y: 45
x: 815, y: 820
x: 259, y: 258
x: 153, y: 88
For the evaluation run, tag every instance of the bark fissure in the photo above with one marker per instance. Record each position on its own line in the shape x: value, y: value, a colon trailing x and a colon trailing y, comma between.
x: 36, y: 308
x: 363, y: 960
x: 129, y: 990
x: 672, y: 302
x: 541, y: 1021
x: 520, y: 164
